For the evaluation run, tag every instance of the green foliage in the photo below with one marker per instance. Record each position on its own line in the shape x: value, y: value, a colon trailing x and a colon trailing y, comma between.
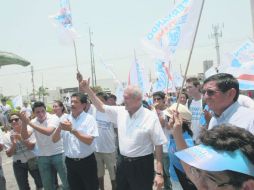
x: 97, y: 89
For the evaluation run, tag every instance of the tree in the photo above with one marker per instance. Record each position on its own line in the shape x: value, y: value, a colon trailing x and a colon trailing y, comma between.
x: 42, y: 92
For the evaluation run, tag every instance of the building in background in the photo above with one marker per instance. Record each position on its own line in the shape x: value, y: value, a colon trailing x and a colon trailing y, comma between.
x: 207, y: 64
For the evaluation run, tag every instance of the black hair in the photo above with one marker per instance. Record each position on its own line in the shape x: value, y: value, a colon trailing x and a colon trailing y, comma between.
x: 38, y: 104
x: 60, y: 103
x: 194, y: 81
x: 160, y: 94
x: 186, y: 128
x: 103, y: 95
x: 82, y: 97
x: 225, y: 82
x: 230, y: 138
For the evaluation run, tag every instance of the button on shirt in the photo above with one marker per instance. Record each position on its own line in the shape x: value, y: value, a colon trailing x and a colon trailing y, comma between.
x: 236, y: 115
x: 137, y: 134
x: 73, y: 147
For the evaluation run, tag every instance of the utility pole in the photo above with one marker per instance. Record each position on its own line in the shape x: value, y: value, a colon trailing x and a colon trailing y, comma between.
x: 216, y: 34
x: 92, y: 60
x: 32, y: 72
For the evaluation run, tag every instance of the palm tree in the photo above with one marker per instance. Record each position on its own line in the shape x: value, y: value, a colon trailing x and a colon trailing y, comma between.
x: 42, y: 92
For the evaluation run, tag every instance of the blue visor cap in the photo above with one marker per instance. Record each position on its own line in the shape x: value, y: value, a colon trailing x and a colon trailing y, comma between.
x: 206, y: 158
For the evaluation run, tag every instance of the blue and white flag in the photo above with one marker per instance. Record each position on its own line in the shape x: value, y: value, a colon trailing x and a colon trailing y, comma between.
x: 175, y: 31
x: 241, y: 65
x: 139, y: 77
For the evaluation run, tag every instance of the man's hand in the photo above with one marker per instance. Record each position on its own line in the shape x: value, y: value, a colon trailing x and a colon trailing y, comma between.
x: 79, y: 77
x: 66, y: 125
x: 84, y: 85
x: 158, y: 182
x: 25, y: 120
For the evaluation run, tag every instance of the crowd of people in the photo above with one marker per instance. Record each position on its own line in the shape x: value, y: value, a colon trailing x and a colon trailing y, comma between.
x: 203, y: 139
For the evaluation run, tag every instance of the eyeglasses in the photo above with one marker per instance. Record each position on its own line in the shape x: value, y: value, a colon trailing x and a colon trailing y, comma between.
x: 156, y: 99
x: 209, y: 180
x: 15, y: 119
x: 209, y: 92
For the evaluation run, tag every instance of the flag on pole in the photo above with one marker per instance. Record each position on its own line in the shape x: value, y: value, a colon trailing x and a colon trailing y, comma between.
x: 63, y: 20
x: 176, y: 30
x: 164, y: 80
x: 138, y: 77
x: 241, y: 65
x: 109, y: 69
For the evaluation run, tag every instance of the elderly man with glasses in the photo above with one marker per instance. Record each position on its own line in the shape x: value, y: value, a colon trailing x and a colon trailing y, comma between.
x: 220, y: 93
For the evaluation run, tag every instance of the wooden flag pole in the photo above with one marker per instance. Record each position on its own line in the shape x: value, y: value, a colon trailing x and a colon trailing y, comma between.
x: 190, y: 54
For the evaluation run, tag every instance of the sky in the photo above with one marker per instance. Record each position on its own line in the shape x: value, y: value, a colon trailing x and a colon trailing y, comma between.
x: 117, y: 26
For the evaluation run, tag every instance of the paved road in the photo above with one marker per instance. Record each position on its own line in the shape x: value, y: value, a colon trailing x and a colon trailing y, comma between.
x: 11, y: 182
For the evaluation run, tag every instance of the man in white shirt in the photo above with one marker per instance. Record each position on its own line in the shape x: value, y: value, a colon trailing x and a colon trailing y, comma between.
x: 50, y: 155
x: 139, y: 133
x: 221, y: 93
x: 78, y: 132
x: 196, y: 106
x: 105, y: 145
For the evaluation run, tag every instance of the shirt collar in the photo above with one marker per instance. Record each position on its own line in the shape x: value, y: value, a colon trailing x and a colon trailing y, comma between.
x: 138, y: 112
x: 228, y: 111
x: 80, y: 115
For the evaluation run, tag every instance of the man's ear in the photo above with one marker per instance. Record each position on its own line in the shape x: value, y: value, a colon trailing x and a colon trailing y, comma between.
x: 232, y: 92
x: 248, y: 185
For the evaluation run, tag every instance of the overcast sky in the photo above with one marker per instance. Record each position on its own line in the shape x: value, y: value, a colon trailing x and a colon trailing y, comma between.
x: 118, y: 27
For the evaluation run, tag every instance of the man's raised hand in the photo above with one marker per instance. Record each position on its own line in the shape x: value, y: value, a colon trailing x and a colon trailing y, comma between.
x: 84, y: 85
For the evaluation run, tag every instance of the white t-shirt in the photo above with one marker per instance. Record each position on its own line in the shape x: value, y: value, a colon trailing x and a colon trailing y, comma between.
x: 105, y: 142
x: 137, y: 134
x: 196, y: 108
x: 44, y: 143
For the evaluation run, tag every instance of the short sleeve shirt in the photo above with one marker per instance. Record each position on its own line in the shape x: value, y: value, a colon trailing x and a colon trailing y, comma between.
x: 73, y: 147
x: 137, y: 134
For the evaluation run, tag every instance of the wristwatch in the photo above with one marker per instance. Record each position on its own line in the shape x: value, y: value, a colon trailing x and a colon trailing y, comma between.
x: 72, y: 131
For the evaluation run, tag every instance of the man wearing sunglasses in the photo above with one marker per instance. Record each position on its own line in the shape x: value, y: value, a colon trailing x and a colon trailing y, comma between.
x: 220, y: 93
x: 159, y: 104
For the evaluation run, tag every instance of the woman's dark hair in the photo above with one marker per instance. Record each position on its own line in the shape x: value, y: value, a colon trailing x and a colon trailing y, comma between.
x: 60, y: 103
x: 186, y: 128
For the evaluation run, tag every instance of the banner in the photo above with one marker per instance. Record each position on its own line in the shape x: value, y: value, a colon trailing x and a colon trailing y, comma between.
x: 138, y: 77
x: 63, y: 21
x: 164, y: 81
x: 241, y: 65
x: 174, y: 31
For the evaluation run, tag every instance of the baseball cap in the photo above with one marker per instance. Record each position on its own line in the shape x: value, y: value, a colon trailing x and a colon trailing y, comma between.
x: 183, y: 111
x: 207, y: 158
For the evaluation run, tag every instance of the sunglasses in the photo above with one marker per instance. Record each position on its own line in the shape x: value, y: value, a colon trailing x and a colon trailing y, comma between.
x: 15, y: 119
x: 156, y: 99
x: 209, y: 92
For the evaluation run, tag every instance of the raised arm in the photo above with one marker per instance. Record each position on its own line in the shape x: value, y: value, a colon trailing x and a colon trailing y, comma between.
x: 26, y: 121
x: 84, y: 87
x: 180, y: 142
